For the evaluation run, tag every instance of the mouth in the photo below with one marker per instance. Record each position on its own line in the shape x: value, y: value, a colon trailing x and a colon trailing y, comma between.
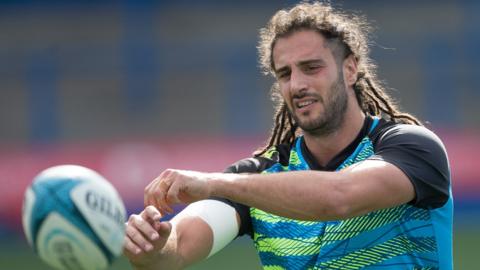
x: 304, y: 103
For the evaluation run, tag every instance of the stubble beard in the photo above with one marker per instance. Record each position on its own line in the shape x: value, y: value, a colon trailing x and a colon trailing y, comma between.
x: 334, y: 112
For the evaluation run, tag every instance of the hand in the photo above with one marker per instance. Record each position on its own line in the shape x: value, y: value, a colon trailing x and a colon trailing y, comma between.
x: 177, y: 186
x: 145, y: 237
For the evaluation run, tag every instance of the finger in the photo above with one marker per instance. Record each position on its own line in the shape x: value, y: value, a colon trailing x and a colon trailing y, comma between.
x: 156, y: 191
x: 161, y: 195
x: 164, y: 229
x: 167, y: 173
x: 145, y: 228
x: 152, y: 213
x: 130, y: 249
x: 148, y: 200
x: 151, y: 197
x: 172, y: 194
x: 137, y: 230
x: 138, y: 239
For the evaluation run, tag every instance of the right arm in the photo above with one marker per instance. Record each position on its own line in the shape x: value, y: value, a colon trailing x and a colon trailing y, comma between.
x: 188, y: 238
x: 199, y: 231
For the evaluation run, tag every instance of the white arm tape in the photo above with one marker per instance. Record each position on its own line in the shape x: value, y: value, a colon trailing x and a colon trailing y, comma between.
x: 221, y: 217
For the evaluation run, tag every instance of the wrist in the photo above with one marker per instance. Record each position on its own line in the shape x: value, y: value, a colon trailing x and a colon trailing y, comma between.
x: 221, y: 184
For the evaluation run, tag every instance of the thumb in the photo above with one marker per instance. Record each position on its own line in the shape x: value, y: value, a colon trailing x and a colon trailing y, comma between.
x: 164, y: 229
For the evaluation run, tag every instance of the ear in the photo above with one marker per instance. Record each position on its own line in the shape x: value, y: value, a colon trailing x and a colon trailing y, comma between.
x: 350, y: 70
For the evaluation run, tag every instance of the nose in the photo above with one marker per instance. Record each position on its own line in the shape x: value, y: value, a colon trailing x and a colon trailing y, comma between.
x: 298, y: 82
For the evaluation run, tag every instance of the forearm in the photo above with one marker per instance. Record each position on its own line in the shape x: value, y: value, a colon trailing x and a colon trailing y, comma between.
x: 299, y: 195
x: 319, y: 195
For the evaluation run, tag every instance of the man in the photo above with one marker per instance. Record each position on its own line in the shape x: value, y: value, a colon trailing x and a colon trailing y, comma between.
x: 347, y: 181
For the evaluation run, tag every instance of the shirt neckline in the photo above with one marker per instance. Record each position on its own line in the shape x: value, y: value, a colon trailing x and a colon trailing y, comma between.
x: 338, y: 159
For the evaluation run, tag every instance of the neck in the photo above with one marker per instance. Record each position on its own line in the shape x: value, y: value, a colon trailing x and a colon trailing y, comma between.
x: 325, y: 147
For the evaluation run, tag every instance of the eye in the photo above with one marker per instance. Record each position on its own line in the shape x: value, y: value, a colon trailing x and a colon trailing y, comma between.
x: 283, y: 75
x: 311, y: 68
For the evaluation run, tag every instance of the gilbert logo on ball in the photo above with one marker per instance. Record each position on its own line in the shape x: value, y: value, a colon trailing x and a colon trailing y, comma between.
x: 74, y: 218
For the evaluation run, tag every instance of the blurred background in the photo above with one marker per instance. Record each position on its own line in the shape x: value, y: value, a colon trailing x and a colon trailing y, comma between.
x: 130, y: 88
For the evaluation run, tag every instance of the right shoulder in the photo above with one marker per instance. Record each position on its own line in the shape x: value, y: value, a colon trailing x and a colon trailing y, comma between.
x: 257, y: 164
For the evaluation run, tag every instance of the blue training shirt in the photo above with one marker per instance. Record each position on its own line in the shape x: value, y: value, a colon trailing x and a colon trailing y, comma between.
x: 417, y: 235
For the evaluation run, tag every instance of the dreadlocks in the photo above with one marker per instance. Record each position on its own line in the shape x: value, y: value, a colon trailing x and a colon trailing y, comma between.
x: 345, y: 36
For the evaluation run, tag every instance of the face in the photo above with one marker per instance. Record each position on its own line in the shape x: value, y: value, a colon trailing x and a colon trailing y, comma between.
x: 310, y: 82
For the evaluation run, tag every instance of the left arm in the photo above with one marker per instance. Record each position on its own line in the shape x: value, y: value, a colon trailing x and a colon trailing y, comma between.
x: 306, y: 195
x: 317, y: 195
x: 410, y: 165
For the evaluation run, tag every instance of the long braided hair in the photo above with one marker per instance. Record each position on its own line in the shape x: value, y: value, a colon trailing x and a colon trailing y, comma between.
x: 349, y: 34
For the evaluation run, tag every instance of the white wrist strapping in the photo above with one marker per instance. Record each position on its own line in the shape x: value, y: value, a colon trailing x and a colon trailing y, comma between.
x: 221, y: 217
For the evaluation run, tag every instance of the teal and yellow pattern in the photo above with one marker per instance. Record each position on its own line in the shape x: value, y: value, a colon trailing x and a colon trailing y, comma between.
x: 396, y: 238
